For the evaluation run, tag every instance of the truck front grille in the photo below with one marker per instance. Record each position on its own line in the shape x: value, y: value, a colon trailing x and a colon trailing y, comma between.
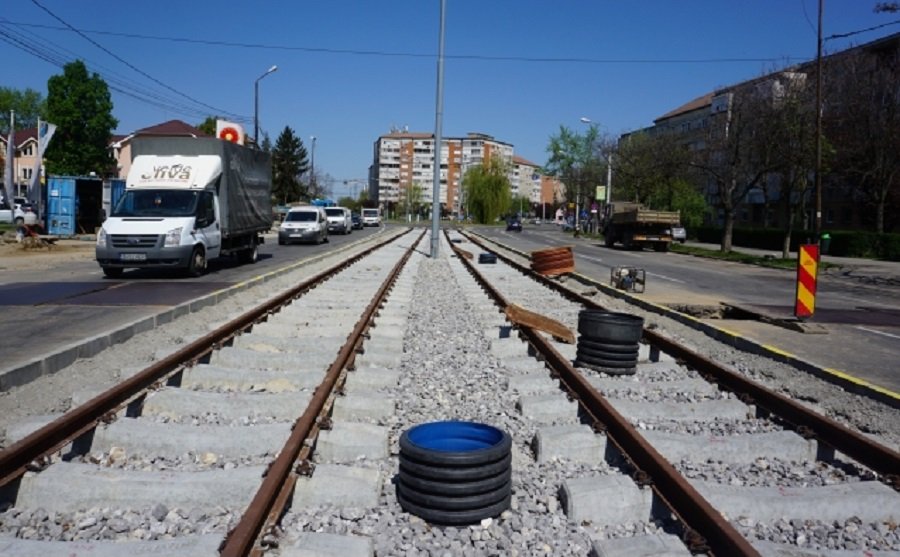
x: 134, y: 240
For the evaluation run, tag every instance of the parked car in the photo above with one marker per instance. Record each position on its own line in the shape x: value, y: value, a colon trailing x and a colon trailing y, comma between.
x: 304, y: 224
x: 339, y: 220
x: 536, y: 221
x: 514, y: 225
x: 22, y: 212
x: 357, y: 221
x: 679, y: 234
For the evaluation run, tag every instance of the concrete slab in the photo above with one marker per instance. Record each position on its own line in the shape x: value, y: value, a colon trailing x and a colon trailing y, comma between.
x: 548, y: 409
x: 371, y: 378
x: 362, y: 406
x: 870, y: 501
x: 629, y: 383
x: 538, y: 382
x: 377, y: 355
x: 338, y: 485
x: 524, y: 364
x: 734, y: 449
x: 322, y: 544
x: 650, y: 545
x: 574, y: 443
x: 146, y: 437
x: 680, y: 412
x: 605, y: 500
x: 176, y: 403
x: 209, y: 377
x: 69, y: 487
x: 351, y: 441
x: 250, y: 359
x: 188, y: 546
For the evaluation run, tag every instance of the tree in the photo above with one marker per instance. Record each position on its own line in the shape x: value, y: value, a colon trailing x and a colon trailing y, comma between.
x: 28, y: 105
x: 789, y: 122
x: 651, y: 169
x: 577, y: 161
x: 863, y: 122
x: 80, y: 106
x: 487, y: 190
x: 208, y: 126
x: 735, y: 160
x: 288, y: 164
x: 411, y: 199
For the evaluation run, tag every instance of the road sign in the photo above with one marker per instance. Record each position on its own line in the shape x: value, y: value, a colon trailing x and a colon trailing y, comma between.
x: 807, y: 271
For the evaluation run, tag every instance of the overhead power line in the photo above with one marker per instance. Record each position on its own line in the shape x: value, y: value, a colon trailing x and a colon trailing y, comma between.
x: 133, y: 67
x: 59, y: 56
x: 384, y: 53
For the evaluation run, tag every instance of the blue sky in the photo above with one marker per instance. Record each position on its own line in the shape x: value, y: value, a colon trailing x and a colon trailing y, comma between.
x: 350, y: 70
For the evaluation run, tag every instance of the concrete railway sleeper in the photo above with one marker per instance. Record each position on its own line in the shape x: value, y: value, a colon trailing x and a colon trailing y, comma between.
x: 442, y: 349
x: 200, y: 443
x: 757, y: 495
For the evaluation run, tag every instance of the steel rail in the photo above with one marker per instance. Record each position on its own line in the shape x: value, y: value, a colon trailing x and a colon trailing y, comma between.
x: 693, y: 510
x: 881, y: 459
x: 15, y: 459
x: 280, y: 476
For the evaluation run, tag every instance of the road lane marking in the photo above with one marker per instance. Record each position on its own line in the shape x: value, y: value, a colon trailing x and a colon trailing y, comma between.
x: 664, y: 277
x: 877, y: 332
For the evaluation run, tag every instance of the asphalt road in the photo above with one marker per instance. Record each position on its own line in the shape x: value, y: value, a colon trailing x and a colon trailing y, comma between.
x: 855, y: 328
x: 859, y: 324
x: 48, y: 309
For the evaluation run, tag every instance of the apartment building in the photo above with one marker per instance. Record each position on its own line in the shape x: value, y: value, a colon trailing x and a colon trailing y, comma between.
x: 526, y: 179
x: 403, y: 159
x: 707, y: 118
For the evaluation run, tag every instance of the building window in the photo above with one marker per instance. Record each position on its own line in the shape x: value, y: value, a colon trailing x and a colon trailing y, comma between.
x: 27, y: 173
x: 28, y: 151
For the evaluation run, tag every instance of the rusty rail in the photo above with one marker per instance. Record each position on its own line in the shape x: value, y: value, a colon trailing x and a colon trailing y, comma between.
x: 50, y: 438
x: 876, y: 456
x: 281, y: 477
x: 694, y: 511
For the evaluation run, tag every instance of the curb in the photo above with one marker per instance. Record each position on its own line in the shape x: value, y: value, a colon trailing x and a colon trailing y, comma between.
x: 53, y: 362
x: 849, y: 382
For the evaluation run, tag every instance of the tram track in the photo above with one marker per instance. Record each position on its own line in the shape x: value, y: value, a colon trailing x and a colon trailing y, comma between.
x: 442, y: 349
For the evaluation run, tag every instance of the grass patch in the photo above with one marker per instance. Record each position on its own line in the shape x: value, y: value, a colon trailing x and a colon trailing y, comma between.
x: 736, y: 257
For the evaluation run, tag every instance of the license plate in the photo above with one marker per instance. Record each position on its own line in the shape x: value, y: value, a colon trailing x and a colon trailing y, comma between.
x: 133, y: 257
x: 296, y: 235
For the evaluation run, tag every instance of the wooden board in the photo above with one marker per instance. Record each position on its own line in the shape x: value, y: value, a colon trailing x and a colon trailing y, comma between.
x: 522, y: 316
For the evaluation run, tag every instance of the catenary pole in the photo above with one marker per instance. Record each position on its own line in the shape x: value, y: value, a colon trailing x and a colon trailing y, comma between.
x: 438, y: 140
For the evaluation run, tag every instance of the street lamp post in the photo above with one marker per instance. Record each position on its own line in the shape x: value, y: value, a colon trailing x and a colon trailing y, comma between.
x: 256, y: 104
x: 607, y: 199
x: 312, y: 165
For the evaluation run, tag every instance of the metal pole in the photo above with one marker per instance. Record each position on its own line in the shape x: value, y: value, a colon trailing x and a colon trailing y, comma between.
x: 438, y: 120
x: 312, y: 166
x: 819, y: 128
x: 608, y: 179
x: 256, y: 104
x: 256, y: 111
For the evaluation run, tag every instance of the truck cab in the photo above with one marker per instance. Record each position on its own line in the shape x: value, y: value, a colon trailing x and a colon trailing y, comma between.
x: 168, y: 216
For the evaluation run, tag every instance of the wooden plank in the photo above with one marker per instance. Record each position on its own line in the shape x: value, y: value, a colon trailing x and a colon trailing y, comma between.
x: 521, y: 316
x: 463, y: 252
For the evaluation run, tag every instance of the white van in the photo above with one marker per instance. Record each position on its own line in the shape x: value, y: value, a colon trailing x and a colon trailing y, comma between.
x: 371, y: 217
x: 304, y: 224
x: 339, y: 220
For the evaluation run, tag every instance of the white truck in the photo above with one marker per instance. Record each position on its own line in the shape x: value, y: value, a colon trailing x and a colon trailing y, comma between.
x: 187, y: 201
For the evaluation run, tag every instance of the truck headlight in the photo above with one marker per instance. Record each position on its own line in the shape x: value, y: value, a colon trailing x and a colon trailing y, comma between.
x: 101, y: 238
x: 173, y: 237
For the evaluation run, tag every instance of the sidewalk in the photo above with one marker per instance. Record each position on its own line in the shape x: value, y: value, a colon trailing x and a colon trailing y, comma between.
x: 867, y: 271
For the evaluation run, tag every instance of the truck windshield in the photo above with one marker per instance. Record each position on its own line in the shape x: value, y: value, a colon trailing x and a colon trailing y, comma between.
x: 157, y: 203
